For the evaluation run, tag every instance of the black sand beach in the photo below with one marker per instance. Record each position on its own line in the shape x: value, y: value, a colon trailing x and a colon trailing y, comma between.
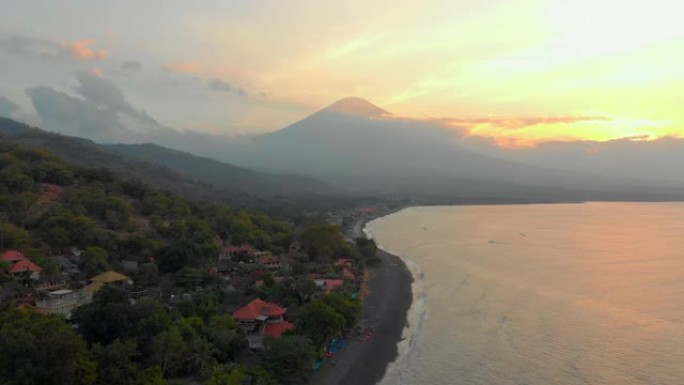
x: 385, y: 308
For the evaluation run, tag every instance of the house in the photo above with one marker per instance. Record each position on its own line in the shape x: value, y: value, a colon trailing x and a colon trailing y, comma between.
x: 271, y: 262
x: 344, y: 262
x: 328, y: 285
x: 12, y: 256
x: 15, y: 292
x: 66, y: 265
x: 286, y: 263
x: 52, y: 282
x: 61, y: 302
x: 259, y: 283
x: 348, y: 275
x: 21, y: 267
x: 108, y: 278
x: 231, y: 251
x: 260, y: 318
x: 111, y: 277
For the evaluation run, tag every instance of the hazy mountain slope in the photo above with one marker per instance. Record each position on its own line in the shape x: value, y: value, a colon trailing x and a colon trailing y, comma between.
x: 221, y: 175
x: 85, y: 153
x: 355, y: 144
x: 658, y: 159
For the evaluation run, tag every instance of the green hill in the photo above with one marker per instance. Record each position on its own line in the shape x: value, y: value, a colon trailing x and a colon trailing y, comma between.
x: 199, y: 179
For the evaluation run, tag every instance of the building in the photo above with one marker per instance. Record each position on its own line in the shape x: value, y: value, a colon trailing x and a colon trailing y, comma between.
x: 260, y: 318
x: 52, y: 282
x: 16, y: 293
x: 328, y: 285
x: 348, y: 275
x: 231, y: 251
x: 21, y: 267
x: 108, y: 278
x: 271, y: 262
x: 61, y: 302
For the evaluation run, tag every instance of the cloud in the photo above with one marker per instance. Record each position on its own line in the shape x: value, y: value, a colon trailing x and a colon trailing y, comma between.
x: 99, y: 111
x: 103, y: 93
x: 222, y: 86
x: 67, y: 114
x: 515, y: 123
x: 131, y: 65
x: 183, y: 68
x: 52, y: 50
x: 532, y: 131
x: 7, y: 107
x: 80, y: 50
x: 199, y: 72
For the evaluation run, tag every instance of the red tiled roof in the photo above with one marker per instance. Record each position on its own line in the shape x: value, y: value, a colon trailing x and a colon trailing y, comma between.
x: 12, y: 255
x: 24, y: 265
x: 331, y: 284
x: 268, y: 259
x: 238, y: 249
x: 344, y: 262
x: 257, y: 308
x: 277, y: 329
x: 231, y: 249
x: 347, y: 274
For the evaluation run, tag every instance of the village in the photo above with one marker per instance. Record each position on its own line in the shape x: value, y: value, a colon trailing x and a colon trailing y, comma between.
x: 261, y: 290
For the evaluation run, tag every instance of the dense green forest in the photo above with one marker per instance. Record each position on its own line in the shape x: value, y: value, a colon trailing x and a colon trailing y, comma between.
x: 48, y: 207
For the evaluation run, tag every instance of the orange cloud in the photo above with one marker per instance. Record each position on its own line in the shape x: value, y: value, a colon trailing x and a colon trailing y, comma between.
x: 514, y: 123
x: 183, y: 68
x: 80, y: 49
x: 513, y: 132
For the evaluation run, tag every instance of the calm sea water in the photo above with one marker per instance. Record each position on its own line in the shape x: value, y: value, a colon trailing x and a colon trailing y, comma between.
x: 541, y: 294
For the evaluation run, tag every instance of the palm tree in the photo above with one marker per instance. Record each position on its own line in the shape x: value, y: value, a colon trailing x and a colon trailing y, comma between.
x: 201, y: 356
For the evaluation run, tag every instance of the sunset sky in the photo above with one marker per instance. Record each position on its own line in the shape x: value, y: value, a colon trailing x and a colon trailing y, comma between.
x: 521, y: 71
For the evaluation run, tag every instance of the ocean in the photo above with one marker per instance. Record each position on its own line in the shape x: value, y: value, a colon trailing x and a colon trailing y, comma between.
x: 540, y: 294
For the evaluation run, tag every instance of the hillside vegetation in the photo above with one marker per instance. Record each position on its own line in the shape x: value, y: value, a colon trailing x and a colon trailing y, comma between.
x: 192, y: 177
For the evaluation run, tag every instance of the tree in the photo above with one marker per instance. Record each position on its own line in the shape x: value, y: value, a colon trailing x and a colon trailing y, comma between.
x: 203, y: 305
x: 106, y: 318
x: 94, y: 261
x: 116, y: 363
x: 200, y: 355
x: 348, y: 307
x: 12, y: 236
x: 152, y: 376
x: 168, y: 350
x: 38, y: 349
x: 241, y: 376
x: 226, y: 337
x: 289, y: 358
x: 368, y: 251
x: 149, y: 317
x: 320, y: 322
x: 324, y: 242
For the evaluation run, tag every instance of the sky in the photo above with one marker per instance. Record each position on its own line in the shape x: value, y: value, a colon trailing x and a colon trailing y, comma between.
x: 519, y: 71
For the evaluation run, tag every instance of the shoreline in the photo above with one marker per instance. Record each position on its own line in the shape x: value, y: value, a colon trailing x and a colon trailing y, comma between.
x: 386, y: 309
